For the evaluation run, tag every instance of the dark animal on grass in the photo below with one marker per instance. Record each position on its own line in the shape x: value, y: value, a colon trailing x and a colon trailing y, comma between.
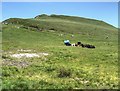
x: 73, y: 44
x: 87, y: 46
x: 78, y: 44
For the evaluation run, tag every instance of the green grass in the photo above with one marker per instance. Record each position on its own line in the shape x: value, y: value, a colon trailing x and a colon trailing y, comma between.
x: 64, y: 67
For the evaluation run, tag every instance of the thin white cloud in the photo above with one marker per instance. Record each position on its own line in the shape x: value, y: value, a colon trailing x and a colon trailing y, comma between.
x: 60, y: 0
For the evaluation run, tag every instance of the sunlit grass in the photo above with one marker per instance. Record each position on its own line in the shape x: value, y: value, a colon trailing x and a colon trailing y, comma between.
x: 64, y: 67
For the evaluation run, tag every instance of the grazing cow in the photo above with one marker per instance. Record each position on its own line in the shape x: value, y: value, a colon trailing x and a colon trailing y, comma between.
x: 67, y: 43
x: 76, y: 44
x: 79, y: 43
x: 87, y: 46
x: 82, y: 45
x: 73, y: 44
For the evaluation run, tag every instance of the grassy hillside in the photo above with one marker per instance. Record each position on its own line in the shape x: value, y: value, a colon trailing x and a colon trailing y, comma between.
x: 76, y: 19
x: 62, y: 23
x: 64, y: 67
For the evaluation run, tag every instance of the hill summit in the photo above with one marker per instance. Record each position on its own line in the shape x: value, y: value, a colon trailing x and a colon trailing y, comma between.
x: 63, y: 23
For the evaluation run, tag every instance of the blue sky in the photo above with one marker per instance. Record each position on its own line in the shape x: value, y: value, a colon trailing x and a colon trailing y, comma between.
x: 106, y: 11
